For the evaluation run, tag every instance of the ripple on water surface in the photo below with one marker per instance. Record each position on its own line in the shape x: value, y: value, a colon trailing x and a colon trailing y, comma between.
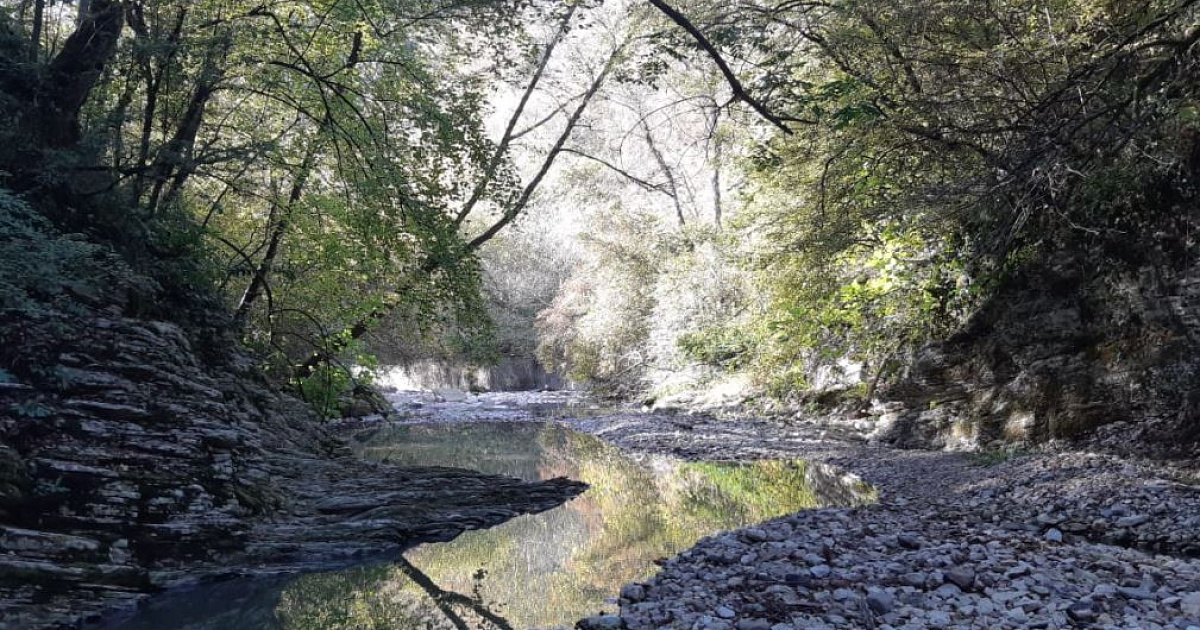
x: 537, y: 571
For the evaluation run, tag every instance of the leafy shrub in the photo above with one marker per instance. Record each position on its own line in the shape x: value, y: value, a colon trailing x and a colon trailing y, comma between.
x: 326, y: 388
x: 720, y: 347
x: 41, y: 268
x: 332, y: 388
x: 596, y: 329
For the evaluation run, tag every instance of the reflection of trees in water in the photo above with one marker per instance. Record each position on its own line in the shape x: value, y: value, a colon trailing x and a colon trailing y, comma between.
x: 510, y: 449
x: 552, y: 568
x: 636, y: 511
x: 557, y: 448
x: 386, y: 597
x: 446, y: 600
x: 543, y: 570
x: 527, y: 560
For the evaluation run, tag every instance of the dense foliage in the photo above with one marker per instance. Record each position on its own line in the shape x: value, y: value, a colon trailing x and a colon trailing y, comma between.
x: 912, y: 160
x: 308, y: 163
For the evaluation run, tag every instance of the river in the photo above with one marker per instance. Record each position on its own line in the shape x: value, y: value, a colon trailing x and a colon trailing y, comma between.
x: 533, y: 572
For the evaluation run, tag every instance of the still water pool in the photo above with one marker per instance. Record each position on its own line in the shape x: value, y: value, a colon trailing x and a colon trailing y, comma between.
x: 538, y: 571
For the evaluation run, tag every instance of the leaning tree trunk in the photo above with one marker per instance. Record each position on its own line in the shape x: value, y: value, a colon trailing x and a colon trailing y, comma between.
x: 661, y: 161
x: 260, y: 282
x: 85, y: 7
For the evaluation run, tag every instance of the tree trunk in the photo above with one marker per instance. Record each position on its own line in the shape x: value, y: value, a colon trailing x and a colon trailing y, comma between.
x: 35, y: 31
x: 716, y: 183
x: 141, y: 164
x: 116, y: 122
x: 144, y: 59
x: 174, y: 160
x: 880, y: 372
x: 85, y: 6
x: 74, y: 73
x: 666, y: 171
x: 259, y: 283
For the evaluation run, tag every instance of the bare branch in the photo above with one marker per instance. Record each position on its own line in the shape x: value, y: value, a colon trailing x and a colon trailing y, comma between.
x: 489, y: 172
x: 557, y: 110
x: 666, y: 171
x: 658, y: 188
x: 739, y: 92
x: 517, y: 207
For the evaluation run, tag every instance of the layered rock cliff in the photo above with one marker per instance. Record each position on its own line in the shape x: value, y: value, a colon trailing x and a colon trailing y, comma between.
x: 138, y: 453
x: 131, y: 465
x: 1113, y: 359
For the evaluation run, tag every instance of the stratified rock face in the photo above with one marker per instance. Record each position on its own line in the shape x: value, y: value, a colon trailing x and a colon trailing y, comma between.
x: 133, y: 466
x: 1062, y: 358
x: 136, y: 456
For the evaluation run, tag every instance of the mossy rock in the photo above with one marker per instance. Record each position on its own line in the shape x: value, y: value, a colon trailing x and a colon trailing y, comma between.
x: 258, y: 499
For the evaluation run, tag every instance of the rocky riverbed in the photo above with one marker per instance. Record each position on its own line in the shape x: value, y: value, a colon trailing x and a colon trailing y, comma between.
x: 1059, y: 539
x: 1051, y: 540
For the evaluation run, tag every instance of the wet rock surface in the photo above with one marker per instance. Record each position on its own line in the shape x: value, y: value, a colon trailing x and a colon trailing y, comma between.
x: 136, y: 466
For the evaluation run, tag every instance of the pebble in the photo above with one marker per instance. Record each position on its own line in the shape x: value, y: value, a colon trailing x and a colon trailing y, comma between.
x: 633, y: 592
x: 1190, y: 604
x: 1082, y: 612
x: 880, y: 601
x: 601, y: 622
x: 962, y: 577
x: 755, y: 534
x: 939, y: 619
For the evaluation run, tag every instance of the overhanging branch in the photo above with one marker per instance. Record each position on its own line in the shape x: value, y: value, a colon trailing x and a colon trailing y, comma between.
x: 739, y: 91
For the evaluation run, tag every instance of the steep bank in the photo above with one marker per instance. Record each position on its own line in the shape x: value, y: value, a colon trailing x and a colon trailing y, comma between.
x: 1112, y: 361
x: 137, y: 453
x: 144, y: 466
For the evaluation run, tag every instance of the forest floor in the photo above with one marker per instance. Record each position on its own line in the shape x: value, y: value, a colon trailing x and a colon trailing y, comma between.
x: 1056, y: 539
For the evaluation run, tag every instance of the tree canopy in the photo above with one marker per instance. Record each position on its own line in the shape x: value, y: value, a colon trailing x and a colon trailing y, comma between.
x: 763, y: 186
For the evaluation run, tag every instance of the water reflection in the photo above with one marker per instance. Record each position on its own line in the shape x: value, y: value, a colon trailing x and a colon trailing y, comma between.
x: 544, y: 570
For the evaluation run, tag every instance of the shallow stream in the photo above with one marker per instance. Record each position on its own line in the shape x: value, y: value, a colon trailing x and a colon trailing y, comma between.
x: 538, y: 571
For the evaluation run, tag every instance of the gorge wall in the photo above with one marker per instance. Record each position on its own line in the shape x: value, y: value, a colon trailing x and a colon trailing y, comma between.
x: 509, y: 374
x: 1058, y: 356
x: 136, y: 460
x: 128, y: 452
